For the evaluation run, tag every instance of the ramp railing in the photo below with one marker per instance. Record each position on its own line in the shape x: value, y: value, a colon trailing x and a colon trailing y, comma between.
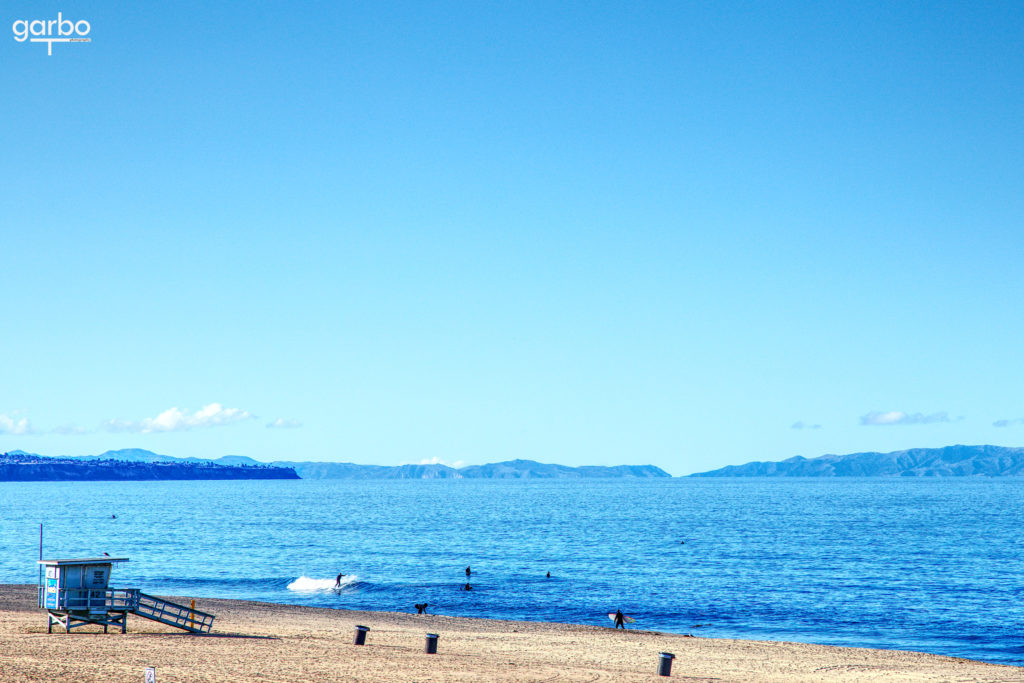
x: 172, y: 614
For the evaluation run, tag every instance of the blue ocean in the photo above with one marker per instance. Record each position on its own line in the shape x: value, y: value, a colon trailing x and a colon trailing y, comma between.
x: 934, y: 565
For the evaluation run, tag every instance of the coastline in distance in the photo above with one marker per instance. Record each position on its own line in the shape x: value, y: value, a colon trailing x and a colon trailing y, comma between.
x: 950, y: 461
x: 136, y: 458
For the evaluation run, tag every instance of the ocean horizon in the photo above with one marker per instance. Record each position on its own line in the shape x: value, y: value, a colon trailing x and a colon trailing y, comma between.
x: 917, y: 564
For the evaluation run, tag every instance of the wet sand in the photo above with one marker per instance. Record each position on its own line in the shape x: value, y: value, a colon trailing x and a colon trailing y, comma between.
x: 267, y: 642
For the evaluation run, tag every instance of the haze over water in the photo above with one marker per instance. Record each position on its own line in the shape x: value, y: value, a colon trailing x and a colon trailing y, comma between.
x: 929, y: 565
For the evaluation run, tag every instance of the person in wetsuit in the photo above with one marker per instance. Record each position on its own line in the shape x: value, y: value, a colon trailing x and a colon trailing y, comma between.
x: 619, y: 619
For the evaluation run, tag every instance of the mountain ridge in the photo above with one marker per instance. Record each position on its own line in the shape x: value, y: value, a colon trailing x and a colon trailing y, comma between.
x: 140, y: 466
x: 947, y: 461
x: 509, y: 469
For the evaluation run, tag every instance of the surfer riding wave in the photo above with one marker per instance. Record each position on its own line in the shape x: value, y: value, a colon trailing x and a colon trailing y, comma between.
x: 306, y: 584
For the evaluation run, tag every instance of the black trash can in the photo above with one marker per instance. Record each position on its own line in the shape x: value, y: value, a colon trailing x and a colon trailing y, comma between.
x: 431, y: 647
x: 665, y: 664
x: 360, y: 638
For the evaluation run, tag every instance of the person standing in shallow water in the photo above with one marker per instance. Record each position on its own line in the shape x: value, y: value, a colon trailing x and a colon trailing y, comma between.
x: 619, y: 619
x: 468, y: 572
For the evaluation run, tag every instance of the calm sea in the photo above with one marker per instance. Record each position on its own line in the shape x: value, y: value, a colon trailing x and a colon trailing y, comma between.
x: 935, y: 565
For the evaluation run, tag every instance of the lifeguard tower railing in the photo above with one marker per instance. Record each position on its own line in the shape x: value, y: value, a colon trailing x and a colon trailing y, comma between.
x: 90, y: 605
x: 95, y: 600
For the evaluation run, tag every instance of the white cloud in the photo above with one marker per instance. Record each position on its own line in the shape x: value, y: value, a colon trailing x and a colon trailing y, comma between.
x: 800, y: 424
x: 284, y: 423
x: 1008, y: 423
x: 898, y: 417
x: 15, y: 426
x: 174, y: 420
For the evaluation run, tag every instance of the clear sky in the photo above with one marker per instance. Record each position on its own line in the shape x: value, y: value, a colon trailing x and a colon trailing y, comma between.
x: 680, y: 233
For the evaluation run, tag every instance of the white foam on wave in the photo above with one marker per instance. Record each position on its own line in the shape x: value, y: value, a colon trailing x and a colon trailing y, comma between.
x: 306, y: 584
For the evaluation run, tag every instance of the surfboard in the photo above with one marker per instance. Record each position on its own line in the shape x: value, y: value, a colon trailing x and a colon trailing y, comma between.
x: 625, y: 619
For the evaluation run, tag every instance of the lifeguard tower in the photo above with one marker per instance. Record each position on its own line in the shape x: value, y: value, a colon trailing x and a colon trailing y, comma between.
x: 76, y: 592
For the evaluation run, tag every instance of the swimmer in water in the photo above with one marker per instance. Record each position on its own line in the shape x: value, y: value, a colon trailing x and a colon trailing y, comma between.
x: 467, y: 587
x: 468, y: 572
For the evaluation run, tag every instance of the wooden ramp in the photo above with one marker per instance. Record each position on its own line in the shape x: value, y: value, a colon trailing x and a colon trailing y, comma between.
x: 171, y: 613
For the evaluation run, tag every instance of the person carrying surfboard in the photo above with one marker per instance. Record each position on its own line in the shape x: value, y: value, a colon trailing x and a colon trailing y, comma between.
x: 619, y: 619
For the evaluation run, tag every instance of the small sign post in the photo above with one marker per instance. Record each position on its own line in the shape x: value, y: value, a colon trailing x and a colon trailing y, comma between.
x: 150, y: 674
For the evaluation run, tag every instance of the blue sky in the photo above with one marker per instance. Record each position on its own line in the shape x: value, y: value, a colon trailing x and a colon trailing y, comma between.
x: 686, y: 234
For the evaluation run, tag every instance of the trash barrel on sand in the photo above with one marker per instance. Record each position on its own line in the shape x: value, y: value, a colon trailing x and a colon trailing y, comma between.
x: 360, y: 638
x: 665, y: 663
x: 431, y: 646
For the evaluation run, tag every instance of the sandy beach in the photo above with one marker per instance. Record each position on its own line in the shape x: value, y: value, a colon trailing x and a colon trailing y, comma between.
x: 267, y: 642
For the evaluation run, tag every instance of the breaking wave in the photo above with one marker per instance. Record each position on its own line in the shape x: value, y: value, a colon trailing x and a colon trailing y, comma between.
x: 305, y: 584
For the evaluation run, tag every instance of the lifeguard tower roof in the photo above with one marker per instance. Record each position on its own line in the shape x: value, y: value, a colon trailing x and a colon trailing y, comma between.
x: 84, y: 560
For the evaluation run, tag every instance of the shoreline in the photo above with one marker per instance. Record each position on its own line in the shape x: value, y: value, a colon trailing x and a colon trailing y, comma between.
x: 279, y: 642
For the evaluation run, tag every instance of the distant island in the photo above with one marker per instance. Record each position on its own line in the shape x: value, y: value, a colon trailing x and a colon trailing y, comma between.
x: 139, y: 464
x: 951, y: 461
x: 21, y: 466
